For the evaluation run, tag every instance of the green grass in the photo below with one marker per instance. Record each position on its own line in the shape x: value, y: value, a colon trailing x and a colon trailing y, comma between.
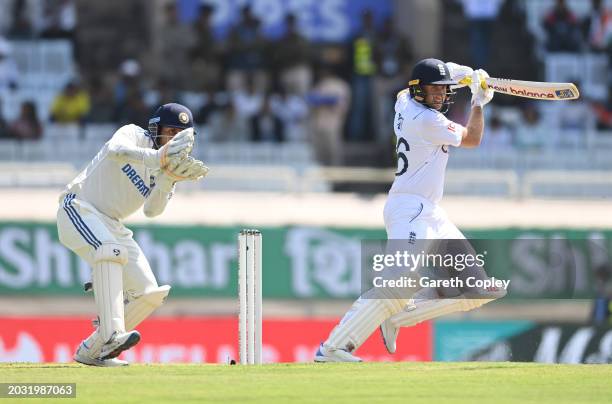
x: 367, y: 382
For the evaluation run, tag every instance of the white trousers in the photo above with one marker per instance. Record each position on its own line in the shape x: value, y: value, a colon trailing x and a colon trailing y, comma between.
x: 412, y: 216
x: 82, y: 229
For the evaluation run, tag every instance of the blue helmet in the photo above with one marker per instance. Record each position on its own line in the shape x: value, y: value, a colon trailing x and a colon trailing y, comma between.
x: 431, y: 71
x: 170, y: 115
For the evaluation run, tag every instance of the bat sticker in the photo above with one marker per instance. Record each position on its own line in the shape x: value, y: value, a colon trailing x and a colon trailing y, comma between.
x: 563, y: 94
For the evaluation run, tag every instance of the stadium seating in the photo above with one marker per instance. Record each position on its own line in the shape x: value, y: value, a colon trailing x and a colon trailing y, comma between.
x: 44, y: 69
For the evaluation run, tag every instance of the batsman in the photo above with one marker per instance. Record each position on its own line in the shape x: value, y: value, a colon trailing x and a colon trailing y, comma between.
x: 425, y: 137
x: 135, y: 168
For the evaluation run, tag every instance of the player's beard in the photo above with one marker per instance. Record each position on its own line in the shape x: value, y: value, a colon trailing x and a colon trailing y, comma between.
x: 437, y: 105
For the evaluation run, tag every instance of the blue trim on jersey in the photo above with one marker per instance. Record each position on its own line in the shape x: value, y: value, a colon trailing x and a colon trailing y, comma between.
x: 78, y: 222
x: 91, y: 233
x: 417, y: 215
x: 76, y: 226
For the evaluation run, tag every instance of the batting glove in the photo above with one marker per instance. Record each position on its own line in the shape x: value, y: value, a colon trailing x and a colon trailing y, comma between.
x: 480, y: 96
x: 460, y: 73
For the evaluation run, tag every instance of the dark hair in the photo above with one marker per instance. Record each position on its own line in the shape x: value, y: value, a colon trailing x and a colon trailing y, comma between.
x: 30, y: 108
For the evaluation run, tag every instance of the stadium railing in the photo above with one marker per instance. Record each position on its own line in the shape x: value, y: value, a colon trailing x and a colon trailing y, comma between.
x: 284, y: 178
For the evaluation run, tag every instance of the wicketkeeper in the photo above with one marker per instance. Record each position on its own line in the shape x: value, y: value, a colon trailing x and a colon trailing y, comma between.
x: 135, y: 167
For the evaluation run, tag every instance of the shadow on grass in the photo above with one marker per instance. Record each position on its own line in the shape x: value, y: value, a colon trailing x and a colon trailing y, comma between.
x: 41, y: 365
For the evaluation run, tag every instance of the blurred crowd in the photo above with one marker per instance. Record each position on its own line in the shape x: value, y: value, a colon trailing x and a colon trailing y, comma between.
x: 534, y: 124
x: 247, y: 86
x: 567, y: 33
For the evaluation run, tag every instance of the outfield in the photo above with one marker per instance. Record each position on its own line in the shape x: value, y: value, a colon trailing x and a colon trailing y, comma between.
x: 367, y: 382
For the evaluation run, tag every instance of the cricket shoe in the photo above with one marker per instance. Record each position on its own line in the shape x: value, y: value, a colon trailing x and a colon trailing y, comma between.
x: 83, y: 356
x: 119, y: 343
x: 329, y: 354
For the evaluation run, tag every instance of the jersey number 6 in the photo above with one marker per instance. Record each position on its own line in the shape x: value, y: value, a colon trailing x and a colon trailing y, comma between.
x: 401, y: 155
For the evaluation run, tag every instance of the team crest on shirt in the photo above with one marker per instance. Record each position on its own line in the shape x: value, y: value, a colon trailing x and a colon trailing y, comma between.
x: 183, y: 117
x: 452, y: 127
x: 412, y: 238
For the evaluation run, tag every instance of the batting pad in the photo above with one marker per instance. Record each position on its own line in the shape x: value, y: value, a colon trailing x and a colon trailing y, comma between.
x: 429, y: 309
x: 361, y: 321
x: 136, y: 312
x: 139, y: 309
x: 108, y: 288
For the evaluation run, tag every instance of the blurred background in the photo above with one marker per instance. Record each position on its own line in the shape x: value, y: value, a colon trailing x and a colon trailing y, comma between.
x: 293, y: 102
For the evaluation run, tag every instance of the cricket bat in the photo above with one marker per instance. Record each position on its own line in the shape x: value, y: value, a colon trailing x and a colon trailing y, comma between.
x: 529, y: 89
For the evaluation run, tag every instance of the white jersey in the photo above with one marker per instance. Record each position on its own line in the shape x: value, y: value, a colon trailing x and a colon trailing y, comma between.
x: 423, y: 139
x: 115, y: 187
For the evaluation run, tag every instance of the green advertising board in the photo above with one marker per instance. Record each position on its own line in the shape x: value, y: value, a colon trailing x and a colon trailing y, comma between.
x: 457, y: 340
x: 299, y: 262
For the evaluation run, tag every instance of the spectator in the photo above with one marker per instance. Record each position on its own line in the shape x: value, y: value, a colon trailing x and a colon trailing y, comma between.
x: 247, y: 104
x: 60, y: 19
x: 9, y: 76
x: 162, y: 93
x: 597, y: 27
x: 601, y: 311
x: 534, y: 133
x: 329, y: 102
x: 210, y: 105
x: 497, y: 136
x: 206, y: 70
x: 394, y: 54
x: 21, y: 26
x: 291, y: 109
x: 135, y: 110
x: 224, y: 124
x: 102, y: 103
x: 246, y: 48
x: 4, y: 133
x: 266, y: 125
x: 72, y: 105
x: 363, y: 51
x: 562, y: 29
x: 177, y: 41
x: 292, y: 58
x: 128, y: 81
x: 26, y: 126
x: 603, y: 112
x: 576, y: 117
x: 480, y: 15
